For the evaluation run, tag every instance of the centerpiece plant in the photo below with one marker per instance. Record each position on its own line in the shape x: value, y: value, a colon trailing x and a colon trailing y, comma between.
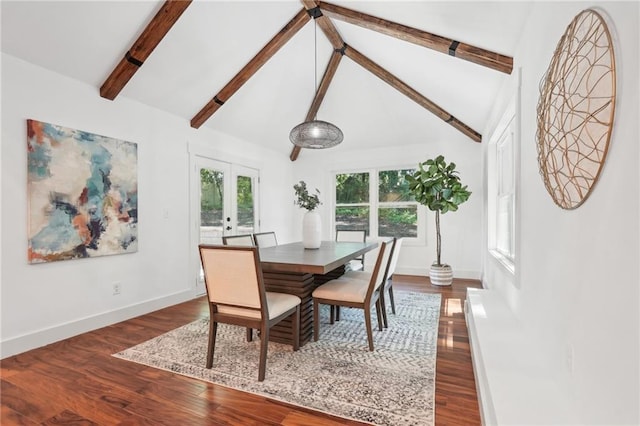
x: 311, y: 223
x: 305, y: 200
x: 436, y: 184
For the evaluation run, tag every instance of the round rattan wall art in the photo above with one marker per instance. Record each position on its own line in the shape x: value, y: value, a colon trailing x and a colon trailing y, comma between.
x: 576, y: 110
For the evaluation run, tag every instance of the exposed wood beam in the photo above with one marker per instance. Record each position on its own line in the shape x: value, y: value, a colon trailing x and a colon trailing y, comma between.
x: 326, y: 25
x: 445, y: 45
x: 405, y: 89
x: 270, y: 49
x: 151, y: 36
x: 332, y: 67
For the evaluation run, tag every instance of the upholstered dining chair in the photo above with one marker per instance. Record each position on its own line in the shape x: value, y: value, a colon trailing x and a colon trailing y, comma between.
x: 353, y: 235
x: 238, y: 240
x: 265, y: 239
x: 387, y: 283
x: 237, y: 295
x: 355, y: 293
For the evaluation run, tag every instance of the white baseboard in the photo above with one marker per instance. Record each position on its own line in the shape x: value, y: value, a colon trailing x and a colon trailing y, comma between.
x: 26, y: 342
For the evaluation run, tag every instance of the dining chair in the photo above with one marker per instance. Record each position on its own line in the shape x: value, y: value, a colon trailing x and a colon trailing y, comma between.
x: 236, y: 293
x: 355, y: 293
x: 353, y: 235
x: 245, y: 240
x: 265, y: 239
x: 386, y: 282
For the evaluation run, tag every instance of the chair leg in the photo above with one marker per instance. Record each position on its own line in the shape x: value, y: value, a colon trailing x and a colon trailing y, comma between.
x: 332, y: 314
x: 316, y: 321
x: 367, y: 323
x: 379, y: 314
x: 249, y: 334
x: 213, y: 330
x: 383, y: 304
x: 337, y: 313
x: 295, y: 328
x: 393, y: 304
x: 264, y: 344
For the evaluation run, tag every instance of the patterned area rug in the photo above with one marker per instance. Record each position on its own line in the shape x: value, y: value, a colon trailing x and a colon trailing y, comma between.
x: 394, y: 385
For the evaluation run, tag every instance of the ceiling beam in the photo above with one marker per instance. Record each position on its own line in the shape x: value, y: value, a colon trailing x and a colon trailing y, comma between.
x: 445, y: 45
x: 270, y: 49
x: 326, y: 25
x: 408, y: 91
x: 151, y: 36
x: 332, y: 67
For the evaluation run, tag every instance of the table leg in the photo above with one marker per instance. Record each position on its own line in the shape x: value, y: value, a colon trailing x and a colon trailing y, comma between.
x: 301, y: 285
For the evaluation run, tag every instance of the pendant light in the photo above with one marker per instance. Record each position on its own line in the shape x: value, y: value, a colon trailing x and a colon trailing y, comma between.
x: 315, y: 134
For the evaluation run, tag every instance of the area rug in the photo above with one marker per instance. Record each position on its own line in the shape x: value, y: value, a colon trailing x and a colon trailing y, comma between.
x: 393, y: 385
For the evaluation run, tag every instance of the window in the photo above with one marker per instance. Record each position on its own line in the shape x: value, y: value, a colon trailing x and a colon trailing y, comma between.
x: 397, y: 209
x: 505, y: 202
x: 502, y: 189
x: 379, y: 202
x: 352, y: 201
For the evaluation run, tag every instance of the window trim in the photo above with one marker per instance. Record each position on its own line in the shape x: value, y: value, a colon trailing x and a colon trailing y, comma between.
x: 507, y: 130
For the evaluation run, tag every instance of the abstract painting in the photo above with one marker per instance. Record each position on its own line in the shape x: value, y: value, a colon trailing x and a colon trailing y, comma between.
x: 83, y: 194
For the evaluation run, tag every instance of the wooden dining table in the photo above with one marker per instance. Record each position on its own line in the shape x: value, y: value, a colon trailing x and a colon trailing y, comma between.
x: 292, y: 269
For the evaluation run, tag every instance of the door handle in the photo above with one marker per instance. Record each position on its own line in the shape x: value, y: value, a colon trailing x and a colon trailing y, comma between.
x: 228, y: 228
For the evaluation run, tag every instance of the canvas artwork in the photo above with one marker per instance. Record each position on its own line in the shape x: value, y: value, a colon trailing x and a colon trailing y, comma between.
x: 83, y: 194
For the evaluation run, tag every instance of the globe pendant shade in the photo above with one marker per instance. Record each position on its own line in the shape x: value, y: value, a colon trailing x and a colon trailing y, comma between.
x: 315, y: 134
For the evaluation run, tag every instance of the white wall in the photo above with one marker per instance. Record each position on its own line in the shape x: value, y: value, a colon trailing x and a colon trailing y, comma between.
x: 461, y: 231
x: 47, y: 302
x: 577, y: 293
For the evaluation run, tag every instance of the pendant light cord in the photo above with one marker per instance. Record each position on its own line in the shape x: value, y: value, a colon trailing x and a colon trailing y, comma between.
x: 315, y: 61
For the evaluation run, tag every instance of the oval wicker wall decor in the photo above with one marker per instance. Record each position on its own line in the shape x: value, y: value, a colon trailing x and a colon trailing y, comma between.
x: 576, y: 109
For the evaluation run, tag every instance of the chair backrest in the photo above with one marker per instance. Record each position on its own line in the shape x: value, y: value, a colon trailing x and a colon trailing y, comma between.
x: 394, y: 257
x: 378, y: 276
x: 265, y: 239
x: 351, y: 235
x: 233, y: 280
x: 238, y: 240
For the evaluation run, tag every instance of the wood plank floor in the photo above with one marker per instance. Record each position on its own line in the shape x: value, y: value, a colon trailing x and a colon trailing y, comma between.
x: 77, y: 381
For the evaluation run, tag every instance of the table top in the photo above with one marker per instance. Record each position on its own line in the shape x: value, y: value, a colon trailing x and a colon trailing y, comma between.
x: 294, y: 257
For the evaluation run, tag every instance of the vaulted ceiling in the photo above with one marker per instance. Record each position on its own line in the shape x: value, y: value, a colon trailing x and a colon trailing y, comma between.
x: 213, y: 41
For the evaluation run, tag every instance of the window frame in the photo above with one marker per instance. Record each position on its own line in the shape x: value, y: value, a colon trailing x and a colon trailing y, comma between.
x: 503, y: 147
x: 375, y: 204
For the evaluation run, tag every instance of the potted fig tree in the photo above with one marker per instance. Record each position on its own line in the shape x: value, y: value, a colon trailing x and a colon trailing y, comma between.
x: 437, y: 185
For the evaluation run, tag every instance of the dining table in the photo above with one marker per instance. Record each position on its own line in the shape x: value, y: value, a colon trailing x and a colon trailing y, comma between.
x: 290, y: 268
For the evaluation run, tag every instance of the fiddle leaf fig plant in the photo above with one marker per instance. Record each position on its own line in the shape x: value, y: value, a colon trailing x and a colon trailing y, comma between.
x: 437, y: 185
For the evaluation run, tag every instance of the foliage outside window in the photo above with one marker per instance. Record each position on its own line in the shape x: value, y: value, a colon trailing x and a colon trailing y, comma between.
x: 211, y: 198
x: 352, y: 201
x: 212, y: 201
x: 245, y: 218
x: 378, y: 202
x: 397, y: 209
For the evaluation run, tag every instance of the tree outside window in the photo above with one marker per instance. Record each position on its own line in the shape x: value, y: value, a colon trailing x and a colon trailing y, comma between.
x: 352, y: 201
x: 378, y: 202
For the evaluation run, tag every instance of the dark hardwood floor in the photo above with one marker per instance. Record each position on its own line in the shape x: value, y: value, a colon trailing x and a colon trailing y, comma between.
x: 77, y: 381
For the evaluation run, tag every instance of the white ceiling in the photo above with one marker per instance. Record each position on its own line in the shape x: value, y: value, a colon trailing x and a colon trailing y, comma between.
x: 213, y: 40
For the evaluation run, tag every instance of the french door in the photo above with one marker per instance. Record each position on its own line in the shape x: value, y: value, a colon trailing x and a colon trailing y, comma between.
x: 225, y: 202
